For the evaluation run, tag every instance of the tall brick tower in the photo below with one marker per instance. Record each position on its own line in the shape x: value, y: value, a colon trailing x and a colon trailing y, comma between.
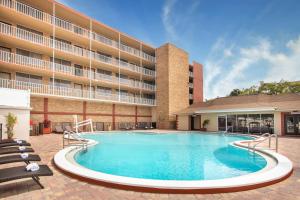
x: 172, y: 65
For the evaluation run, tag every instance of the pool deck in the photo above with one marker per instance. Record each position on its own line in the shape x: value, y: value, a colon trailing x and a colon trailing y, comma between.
x: 60, y: 186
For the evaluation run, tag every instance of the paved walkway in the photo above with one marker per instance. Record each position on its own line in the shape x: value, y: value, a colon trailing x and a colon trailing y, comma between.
x: 61, y: 186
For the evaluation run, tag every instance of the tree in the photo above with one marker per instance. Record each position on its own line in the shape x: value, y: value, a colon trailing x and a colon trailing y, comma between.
x: 235, y: 92
x: 269, y: 88
x: 11, y: 120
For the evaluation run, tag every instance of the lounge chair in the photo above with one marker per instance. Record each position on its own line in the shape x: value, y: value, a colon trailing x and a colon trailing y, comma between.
x: 8, y: 144
x: 9, y: 141
x: 18, y: 158
x: 9, y: 150
x: 14, y: 173
x: 58, y: 129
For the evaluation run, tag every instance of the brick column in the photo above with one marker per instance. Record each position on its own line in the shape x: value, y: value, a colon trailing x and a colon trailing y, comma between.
x: 136, y: 112
x: 45, y: 108
x: 84, y: 110
x: 113, y: 117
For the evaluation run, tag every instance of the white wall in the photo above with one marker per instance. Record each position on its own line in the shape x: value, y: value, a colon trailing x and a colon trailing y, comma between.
x: 16, y: 102
x: 14, y: 98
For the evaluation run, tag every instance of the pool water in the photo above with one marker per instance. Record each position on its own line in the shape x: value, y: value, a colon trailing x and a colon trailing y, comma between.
x: 173, y: 156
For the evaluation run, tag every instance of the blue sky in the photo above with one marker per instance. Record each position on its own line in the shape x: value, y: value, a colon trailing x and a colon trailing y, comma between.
x: 239, y: 42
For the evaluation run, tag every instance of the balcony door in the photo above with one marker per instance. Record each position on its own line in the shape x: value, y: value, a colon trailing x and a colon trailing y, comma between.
x: 292, y: 124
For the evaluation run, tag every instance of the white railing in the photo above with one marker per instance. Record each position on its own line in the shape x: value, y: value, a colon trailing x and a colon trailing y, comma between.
x: 191, y: 85
x: 40, y: 15
x: 42, y: 89
x: 70, y: 70
x: 191, y: 74
x: 68, y: 48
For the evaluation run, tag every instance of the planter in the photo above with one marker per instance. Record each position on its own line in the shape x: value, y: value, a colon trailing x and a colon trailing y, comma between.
x: 203, y: 129
x: 46, y: 130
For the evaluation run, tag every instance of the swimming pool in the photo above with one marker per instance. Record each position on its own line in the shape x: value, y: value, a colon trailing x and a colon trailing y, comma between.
x: 185, y: 162
x: 174, y: 156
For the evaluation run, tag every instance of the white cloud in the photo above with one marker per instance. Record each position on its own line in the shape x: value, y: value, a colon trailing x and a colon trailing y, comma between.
x: 166, y: 18
x: 176, y: 17
x: 221, y: 78
x: 227, y: 52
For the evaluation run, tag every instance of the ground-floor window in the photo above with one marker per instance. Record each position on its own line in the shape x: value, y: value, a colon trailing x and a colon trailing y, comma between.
x: 246, y: 123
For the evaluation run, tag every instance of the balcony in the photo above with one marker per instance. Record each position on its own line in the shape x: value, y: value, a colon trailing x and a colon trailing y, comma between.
x: 71, y: 49
x: 39, y: 15
x: 69, y: 70
x: 191, y: 74
x: 50, y: 90
x: 191, y: 85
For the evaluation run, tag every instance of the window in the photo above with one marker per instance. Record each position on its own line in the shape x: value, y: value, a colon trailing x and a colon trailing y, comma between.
x: 231, y: 123
x: 5, y: 49
x: 28, y: 78
x: 29, y: 54
x: 222, y: 123
x: 101, y: 71
x: 60, y: 83
x: 30, y: 30
x: 5, y: 75
x: 244, y: 123
x: 253, y: 121
x: 267, y: 123
x: 78, y: 70
x: 5, y: 54
x: 104, y: 91
x: 61, y: 61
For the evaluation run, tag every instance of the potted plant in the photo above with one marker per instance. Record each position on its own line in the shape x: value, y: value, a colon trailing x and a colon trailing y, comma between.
x: 204, y: 124
x: 47, y: 126
x: 11, y: 121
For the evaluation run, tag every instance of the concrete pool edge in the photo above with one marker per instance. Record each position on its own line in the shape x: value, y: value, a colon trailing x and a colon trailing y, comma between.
x: 281, y: 171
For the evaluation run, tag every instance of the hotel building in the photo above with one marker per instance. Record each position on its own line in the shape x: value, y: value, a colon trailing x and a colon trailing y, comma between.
x: 75, y: 65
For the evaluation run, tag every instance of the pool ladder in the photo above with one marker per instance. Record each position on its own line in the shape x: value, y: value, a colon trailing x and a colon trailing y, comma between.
x: 79, y: 141
x: 263, y: 138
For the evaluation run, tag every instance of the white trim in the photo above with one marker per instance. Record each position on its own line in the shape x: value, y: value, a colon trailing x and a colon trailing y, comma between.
x: 283, y: 167
x: 236, y: 110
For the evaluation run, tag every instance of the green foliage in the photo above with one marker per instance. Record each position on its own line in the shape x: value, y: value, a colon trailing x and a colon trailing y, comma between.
x: 205, y: 123
x: 269, y: 88
x: 11, y: 120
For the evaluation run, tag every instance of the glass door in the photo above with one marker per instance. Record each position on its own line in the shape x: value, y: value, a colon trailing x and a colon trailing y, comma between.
x: 292, y: 124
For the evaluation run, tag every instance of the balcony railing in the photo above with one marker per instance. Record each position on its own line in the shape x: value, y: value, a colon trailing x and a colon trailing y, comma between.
x: 42, y: 89
x: 191, y: 74
x: 40, y: 15
x: 70, y: 70
x: 68, y: 48
x: 191, y: 85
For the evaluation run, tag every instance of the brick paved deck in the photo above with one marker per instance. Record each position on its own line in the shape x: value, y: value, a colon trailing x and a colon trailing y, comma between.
x: 61, y: 186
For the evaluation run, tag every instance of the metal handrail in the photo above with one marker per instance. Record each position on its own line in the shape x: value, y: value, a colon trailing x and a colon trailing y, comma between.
x: 71, y: 135
x: 262, y: 138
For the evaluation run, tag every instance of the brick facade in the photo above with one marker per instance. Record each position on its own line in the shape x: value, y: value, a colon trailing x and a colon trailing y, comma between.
x: 172, y: 84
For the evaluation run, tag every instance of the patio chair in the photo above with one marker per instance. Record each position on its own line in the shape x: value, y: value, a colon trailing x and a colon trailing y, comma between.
x: 58, y: 129
x: 68, y: 128
x: 8, y: 144
x: 9, y: 150
x: 18, y: 158
x: 14, y: 173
